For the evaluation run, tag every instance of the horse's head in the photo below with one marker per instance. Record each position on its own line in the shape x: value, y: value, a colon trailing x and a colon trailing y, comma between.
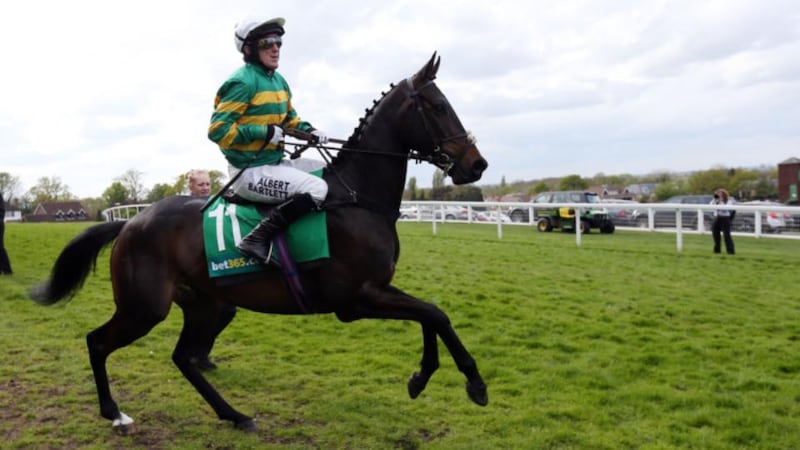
x: 435, y: 132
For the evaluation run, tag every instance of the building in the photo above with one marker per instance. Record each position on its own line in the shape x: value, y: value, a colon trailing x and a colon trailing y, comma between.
x: 13, y: 213
x: 70, y: 211
x: 788, y: 180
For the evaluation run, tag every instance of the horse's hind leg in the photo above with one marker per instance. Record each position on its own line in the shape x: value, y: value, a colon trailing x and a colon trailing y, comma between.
x: 118, y: 332
x: 201, y: 324
x: 428, y: 365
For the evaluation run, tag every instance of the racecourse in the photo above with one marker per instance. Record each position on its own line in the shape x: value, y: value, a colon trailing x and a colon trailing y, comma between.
x: 619, y: 343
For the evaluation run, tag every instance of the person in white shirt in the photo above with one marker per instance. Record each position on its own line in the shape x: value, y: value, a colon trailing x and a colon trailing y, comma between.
x: 722, y: 221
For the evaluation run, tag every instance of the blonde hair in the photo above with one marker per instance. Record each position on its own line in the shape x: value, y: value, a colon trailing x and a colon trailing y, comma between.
x: 723, y: 194
x: 193, y: 175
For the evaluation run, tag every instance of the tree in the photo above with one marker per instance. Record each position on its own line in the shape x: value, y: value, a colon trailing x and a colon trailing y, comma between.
x: 706, y: 181
x: 438, y: 179
x: 159, y: 191
x: 115, y: 194
x: 49, y: 189
x: 412, y: 188
x: 573, y: 183
x: 540, y: 187
x: 131, y: 180
x: 669, y: 189
x: 9, y: 185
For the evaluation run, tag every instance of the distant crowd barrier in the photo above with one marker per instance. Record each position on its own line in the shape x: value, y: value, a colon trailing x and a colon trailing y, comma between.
x: 123, y: 212
x: 645, y: 216
x: 641, y: 216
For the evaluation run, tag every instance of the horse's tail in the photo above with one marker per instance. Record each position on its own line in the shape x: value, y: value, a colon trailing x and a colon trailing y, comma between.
x: 74, y: 263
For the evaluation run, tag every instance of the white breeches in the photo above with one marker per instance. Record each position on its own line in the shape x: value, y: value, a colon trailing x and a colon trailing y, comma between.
x: 278, y: 183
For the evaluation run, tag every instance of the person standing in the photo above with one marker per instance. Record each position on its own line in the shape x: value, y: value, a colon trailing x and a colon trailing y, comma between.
x: 722, y: 221
x: 251, y: 110
x: 199, y: 182
x: 5, y: 263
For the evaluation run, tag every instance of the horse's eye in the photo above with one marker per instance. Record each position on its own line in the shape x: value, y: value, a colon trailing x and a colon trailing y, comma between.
x: 439, y: 108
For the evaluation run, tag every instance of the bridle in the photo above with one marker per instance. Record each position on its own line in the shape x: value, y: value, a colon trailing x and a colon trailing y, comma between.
x: 437, y: 157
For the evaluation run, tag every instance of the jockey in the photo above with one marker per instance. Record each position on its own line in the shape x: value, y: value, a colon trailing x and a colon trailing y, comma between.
x: 251, y: 109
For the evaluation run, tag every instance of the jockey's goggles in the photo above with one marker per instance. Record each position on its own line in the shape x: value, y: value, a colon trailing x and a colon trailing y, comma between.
x: 267, y: 42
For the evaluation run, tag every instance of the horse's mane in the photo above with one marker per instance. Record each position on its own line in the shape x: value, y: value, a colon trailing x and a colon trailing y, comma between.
x: 358, y: 132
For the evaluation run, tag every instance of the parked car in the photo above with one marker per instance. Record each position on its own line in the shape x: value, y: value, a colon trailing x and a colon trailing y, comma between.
x: 664, y: 218
x: 491, y: 216
x: 426, y: 212
x: 622, y: 217
x: 549, y: 215
x: 771, y: 221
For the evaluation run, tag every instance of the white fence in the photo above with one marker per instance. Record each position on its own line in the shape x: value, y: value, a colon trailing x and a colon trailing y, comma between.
x: 123, y: 212
x: 440, y: 212
x: 493, y: 213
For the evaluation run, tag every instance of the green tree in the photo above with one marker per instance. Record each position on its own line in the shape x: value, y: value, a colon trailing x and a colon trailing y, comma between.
x: 49, y: 189
x: 159, y: 191
x: 9, y: 185
x: 539, y: 187
x: 573, y: 183
x: 411, y: 191
x: 466, y: 193
x: 438, y: 179
x: 669, y: 189
x: 115, y: 194
x: 131, y: 180
x: 706, y: 181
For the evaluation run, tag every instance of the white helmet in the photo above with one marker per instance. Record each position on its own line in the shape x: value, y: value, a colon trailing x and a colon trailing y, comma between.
x: 256, y: 27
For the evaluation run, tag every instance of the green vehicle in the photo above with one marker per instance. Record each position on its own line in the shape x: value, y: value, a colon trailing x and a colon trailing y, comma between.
x: 550, y: 215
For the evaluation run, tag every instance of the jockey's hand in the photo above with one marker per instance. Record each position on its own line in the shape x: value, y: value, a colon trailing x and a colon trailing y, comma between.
x: 320, y: 137
x: 274, y: 134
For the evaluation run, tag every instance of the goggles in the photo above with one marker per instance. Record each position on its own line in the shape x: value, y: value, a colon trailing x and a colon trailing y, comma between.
x: 267, y: 42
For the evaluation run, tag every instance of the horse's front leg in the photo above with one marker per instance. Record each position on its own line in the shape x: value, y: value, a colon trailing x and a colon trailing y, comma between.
x: 388, y: 302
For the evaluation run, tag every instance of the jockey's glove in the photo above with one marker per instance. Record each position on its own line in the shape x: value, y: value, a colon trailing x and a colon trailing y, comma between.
x: 321, y: 137
x: 274, y: 134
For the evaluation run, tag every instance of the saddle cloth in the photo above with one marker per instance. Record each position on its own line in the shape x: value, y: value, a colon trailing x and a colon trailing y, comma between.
x: 226, y: 223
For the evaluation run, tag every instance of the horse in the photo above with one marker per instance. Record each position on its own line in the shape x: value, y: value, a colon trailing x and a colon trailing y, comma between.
x: 159, y: 253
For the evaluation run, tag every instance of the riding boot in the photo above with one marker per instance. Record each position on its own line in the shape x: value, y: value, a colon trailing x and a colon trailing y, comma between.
x: 256, y: 243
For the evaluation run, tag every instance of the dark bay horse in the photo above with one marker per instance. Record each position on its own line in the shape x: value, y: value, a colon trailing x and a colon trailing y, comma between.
x: 160, y: 252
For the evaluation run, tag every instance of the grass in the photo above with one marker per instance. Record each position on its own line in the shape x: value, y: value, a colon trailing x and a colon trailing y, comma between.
x: 620, y: 343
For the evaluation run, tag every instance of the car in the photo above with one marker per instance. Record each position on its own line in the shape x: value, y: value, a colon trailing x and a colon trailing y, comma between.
x: 665, y: 218
x: 549, y: 215
x: 771, y: 221
x: 622, y: 216
x: 491, y: 216
x: 426, y: 212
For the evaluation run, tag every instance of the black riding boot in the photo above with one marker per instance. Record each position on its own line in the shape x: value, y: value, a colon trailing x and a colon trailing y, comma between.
x: 256, y: 243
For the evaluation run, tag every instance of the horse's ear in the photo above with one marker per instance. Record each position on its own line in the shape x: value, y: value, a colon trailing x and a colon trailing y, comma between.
x: 432, y: 67
x: 428, y: 71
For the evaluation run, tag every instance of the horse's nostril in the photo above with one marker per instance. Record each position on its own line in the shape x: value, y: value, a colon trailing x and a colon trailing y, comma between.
x: 480, y: 165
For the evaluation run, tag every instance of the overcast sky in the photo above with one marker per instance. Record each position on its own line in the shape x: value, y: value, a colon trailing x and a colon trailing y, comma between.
x: 92, y: 89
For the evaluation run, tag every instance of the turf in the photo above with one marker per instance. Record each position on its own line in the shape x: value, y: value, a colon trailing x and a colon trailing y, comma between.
x: 622, y: 342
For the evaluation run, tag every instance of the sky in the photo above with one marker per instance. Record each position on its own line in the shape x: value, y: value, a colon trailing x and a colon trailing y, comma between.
x: 93, y: 89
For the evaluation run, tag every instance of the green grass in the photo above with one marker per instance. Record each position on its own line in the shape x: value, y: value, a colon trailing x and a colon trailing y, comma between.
x: 619, y: 343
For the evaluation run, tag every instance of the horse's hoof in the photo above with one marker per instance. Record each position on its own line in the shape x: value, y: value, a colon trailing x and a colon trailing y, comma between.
x: 123, y: 425
x: 247, y: 425
x: 416, y: 384
x: 477, y: 393
x: 124, y: 430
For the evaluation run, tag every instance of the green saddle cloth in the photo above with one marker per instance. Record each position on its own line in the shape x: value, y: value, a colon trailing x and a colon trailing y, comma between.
x: 225, y: 224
